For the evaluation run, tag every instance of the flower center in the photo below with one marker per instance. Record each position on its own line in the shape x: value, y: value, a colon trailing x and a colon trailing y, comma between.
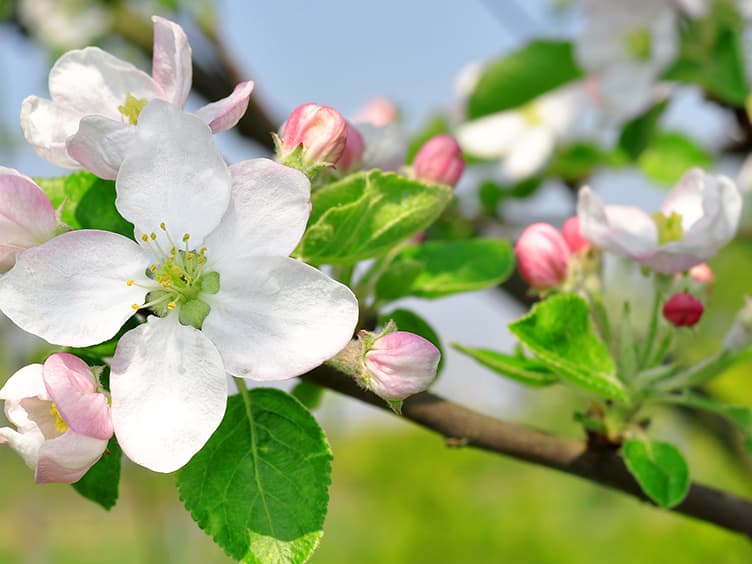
x: 132, y: 108
x: 639, y: 44
x: 531, y: 114
x: 669, y: 227
x: 60, y: 425
x: 180, y: 279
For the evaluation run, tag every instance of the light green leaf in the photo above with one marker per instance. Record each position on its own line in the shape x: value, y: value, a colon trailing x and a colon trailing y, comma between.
x: 366, y: 214
x: 101, y: 483
x: 516, y: 78
x: 260, y: 485
x: 440, y: 268
x: 670, y: 155
x: 577, y: 162
x: 526, y: 371
x: 559, y: 333
x: 659, y: 468
x: 407, y: 320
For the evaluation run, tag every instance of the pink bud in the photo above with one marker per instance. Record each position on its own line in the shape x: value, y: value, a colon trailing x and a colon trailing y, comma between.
x: 701, y: 273
x: 573, y: 236
x: 439, y: 160
x: 542, y: 256
x: 378, y: 112
x: 683, y: 310
x: 321, y: 130
x: 400, y: 364
x: 352, y: 155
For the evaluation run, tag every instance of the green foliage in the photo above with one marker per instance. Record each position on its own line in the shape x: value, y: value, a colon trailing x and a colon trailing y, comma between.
x: 85, y: 201
x: 575, y: 163
x: 101, y: 483
x: 559, y: 333
x: 436, y: 125
x: 492, y: 194
x: 659, y: 468
x: 260, y: 485
x: 670, y: 155
x: 366, y: 214
x: 526, y: 371
x: 518, y: 77
x: 638, y: 133
x: 308, y: 393
x: 440, y: 268
x: 407, y: 320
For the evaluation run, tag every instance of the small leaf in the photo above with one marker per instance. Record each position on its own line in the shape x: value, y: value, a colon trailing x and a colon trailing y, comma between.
x: 559, y: 333
x: 101, y: 483
x: 670, y: 155
x: 308, y: 393
x: 659, y: 468
x: 260, y: 485
x: 407, y: 320
x: 638, y: 133
x: 518, y: 77
x: 526, y: 371
x: 440, y: 268
x: 366, y: 214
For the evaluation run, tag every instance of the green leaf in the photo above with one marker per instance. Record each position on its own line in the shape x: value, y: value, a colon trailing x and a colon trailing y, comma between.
x: 670, y: 155
x: 100, y: 483
x: 638, y: 133
x: 577, y: 162
x: 440, y: 268
x: 659, y: 468
x: 308, y: 393
x: 407, y: 320
x: 492, y: 194
x: 436, y: 125
x: 526, y: 371
x: 366, y: 214
x: 518, y: 77
x: 559, y: 333
x: 260, y: 485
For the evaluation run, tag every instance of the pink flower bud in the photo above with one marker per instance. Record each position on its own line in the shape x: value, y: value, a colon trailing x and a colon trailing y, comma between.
x: 352, y: 155
x: 542, y: 256
x: 683, y: 310
x: 400, y: 364
x: 573, y: 236
x: 320, y: 130
x: 701, y: 273
x: 378, y: 112
x: 439, y: 160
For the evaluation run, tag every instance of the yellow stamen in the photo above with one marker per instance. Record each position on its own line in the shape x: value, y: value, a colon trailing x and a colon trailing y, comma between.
x: 60, y: 425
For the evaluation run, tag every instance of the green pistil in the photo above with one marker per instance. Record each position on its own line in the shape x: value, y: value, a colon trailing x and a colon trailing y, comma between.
x: 669, y: 227
x: 640, y: 44
x: 132, y: 108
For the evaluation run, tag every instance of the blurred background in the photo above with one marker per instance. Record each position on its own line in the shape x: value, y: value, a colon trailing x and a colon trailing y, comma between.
x: 398, y: 493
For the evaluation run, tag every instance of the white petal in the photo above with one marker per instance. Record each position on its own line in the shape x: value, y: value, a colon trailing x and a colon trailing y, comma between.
x: 627, y: 89
x: 169, y: 393
x: 224, y: 114
x: 529, y: 154
x: 276, y: 318
x: 72, y: 290
x: 46, y: 125
x: 268, y: 212
x: 25, y: 383
x: 26, y: 444
x: 562, y: 107
x: 100, y: 145
x: 67, y: 458
x: 491, y: 136
x: 173, y: 174
x: 92, y: 81
x: 171, y: 63
x: 686, y: 199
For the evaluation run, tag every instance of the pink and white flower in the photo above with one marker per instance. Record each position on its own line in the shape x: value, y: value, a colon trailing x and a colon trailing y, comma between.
x: 91, y: 82
x: 699, y: 216
x: 211, y: 262
x: 62, y: 421
x: 27, y: 217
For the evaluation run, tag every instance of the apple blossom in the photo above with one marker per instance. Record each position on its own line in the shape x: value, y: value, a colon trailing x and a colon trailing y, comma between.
x: 352, y: 155
x: 542, y: 256
x: 524, y: 138
x: 62, y: 422
x: 385, y: 141
x: 439, y: 160
x: 64, y: 24
x: 683, y: 310
x: 318, y: 132
x: 210, y: 261
x: 699, y: 216
x: 377, y: 112
x: 27, y: 217
x: 91, y: 82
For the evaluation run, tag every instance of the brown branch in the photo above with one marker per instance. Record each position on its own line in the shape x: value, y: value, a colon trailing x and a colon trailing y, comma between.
x: 461, y: 426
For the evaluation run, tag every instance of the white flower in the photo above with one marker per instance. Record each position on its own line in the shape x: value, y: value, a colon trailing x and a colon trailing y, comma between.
x: 626, y: 44
x: 64, y: 24
x: 699, y: 216
x: 525, y: 138
x: 211, y: 253
x: 62, y: 422
x: 91, y: 82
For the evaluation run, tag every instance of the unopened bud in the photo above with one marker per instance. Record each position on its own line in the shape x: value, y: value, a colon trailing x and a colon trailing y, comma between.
x: 573, y: 236
x: 739, y: 336
x: 318, y: 132
x: 542, y: 256
x: 683, y: 310
x: 378, y: 112
x: 439, y: 160
x: 352, y: 155
x: 701, y: 273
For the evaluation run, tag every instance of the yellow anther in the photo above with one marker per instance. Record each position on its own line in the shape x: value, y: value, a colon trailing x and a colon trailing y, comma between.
x: 130, y: 282
x: 135, y: 307
x: 153, y: 268
x: 186, y: 236
x: 173, y: 251
x: 202, y: 259
x: 176, y: 271
x: 165, y: 283
x: 190, y: 256
x: 171, y: 305
x: 60, y: 425
x: 153, y: 236
x: 144, y: 237
x: 162, y: 226
x: 203, y: 250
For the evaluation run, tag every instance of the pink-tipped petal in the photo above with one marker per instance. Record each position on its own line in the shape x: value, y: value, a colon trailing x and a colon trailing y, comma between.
x: 224, y: 114
x: 67, y: 458
x: 171, y: 64
x: 100, y: 145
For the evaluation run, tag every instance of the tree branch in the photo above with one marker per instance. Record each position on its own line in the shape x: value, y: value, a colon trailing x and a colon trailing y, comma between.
x: 464, y: 427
